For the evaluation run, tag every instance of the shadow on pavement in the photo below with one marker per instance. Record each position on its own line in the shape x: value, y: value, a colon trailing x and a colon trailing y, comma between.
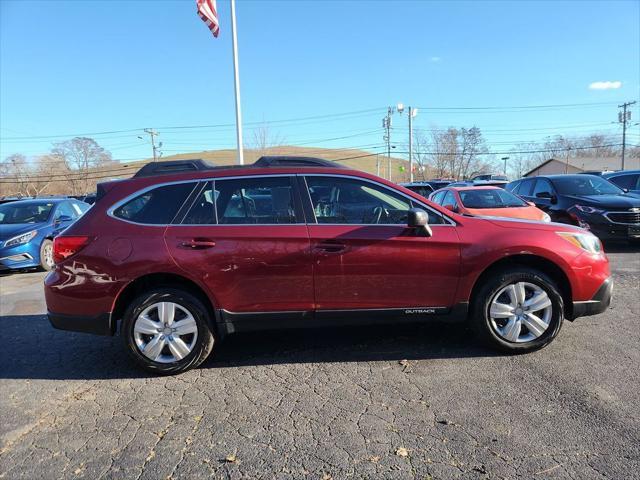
x: 621, y: 247
x: 34, y: 350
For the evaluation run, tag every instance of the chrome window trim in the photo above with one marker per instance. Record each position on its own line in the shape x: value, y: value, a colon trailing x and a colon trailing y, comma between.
x: 436, y: 212
x: 214, y: 179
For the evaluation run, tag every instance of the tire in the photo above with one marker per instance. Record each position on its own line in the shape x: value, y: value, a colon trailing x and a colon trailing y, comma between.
x: 524, y: 329
x: 168, y: 352
x: 46, y: 255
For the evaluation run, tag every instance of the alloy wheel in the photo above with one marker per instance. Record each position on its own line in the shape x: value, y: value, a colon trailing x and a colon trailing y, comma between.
x: 165, y: 332
x: 48, y: 255
x: 520, y: 312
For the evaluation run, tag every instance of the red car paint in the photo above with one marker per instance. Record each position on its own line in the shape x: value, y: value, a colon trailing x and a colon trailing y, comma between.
x: 305, y: 267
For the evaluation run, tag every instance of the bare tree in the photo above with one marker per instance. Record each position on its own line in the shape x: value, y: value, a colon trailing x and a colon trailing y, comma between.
x: 18, y: 170
x: 264, y: 139
x: 81, y: 155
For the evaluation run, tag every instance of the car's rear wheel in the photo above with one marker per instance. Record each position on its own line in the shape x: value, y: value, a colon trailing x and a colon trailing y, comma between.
x: 518, y: 310
x: 167, y: 331
x: 46, y: 255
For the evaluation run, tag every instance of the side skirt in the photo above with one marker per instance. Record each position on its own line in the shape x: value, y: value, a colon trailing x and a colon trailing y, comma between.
x: 232, y: 322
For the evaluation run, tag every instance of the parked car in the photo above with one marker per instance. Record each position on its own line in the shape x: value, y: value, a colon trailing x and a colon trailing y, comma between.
x: 421, y: 188
x: 484, y: 177
x: 438, y: 183
x: 178, y: 260
x: 628, y: 180
x: 588, y: 201
x: 28, y: 227
x: 487, y: 201
x: 479, y: 183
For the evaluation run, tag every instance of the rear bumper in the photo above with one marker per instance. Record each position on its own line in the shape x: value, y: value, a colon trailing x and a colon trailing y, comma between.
x: 598, y: 304
x: 99, y: 325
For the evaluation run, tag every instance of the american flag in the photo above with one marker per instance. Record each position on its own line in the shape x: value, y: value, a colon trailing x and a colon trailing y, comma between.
x: 209, y: 15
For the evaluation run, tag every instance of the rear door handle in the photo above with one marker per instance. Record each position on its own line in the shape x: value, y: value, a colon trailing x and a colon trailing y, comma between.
x: 331, y: 247
x: 197, y: 243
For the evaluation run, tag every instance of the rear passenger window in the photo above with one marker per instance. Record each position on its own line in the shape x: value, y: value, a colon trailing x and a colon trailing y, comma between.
x: 264, y: 200
x: 157, y: 206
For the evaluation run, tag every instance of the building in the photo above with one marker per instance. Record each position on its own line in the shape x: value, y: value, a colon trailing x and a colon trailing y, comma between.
x: 583, y: 164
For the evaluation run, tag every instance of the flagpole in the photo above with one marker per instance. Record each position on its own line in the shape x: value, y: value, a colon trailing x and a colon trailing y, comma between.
x: 236, y: 79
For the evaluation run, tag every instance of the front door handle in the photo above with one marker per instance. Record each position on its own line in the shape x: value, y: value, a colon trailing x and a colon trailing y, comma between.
x: 197, y: 243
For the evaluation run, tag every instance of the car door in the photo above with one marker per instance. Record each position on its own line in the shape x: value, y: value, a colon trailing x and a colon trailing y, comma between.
x: 366, y: 258
x: 245, y: 239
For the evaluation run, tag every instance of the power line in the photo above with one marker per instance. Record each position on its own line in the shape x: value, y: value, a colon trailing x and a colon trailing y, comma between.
x: 100, y: 174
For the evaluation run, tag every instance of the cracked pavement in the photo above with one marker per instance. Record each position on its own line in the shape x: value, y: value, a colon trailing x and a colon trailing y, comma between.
x: 411, y: 402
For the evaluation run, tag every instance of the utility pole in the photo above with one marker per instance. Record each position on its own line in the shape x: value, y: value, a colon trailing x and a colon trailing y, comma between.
x: 411, y: 113
x: 623, y: 117
x: 152, y: 133
x: 386, y: 124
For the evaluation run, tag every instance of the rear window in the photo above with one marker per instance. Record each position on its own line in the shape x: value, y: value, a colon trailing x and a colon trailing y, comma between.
x: 497, y: 198
x: 157, y: 206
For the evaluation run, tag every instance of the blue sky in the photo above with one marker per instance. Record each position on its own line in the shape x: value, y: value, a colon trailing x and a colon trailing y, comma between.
x: 99, y: 66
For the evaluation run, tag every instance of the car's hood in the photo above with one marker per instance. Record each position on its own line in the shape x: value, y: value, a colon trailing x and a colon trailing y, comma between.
x: 8, y: 231
x: 530, y: 224
x: 607, y: 201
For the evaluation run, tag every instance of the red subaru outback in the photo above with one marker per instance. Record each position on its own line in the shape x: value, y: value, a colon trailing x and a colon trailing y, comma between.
x: 185, y: 253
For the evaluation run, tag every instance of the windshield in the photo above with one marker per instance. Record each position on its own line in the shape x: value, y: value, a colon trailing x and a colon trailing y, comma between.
x: 585, y: 185
x: 12, y: 213
x: 497, y: 198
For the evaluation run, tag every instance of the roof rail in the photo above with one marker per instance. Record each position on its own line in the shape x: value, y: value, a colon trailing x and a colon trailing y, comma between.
x: 176, y: 166
x: 293, y: 161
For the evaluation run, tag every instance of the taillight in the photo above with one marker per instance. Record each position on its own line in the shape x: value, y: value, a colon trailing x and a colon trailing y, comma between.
x: 64, y: 247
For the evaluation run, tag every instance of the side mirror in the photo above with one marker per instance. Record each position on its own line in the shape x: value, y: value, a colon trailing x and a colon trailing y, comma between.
x: 453, y: 208
x: 419, y: 219
x: 63, y: 219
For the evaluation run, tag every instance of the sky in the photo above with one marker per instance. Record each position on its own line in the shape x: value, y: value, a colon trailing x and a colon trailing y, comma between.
x: 314, y: 73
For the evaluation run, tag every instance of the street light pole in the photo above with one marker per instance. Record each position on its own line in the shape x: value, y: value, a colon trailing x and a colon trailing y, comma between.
x: 504, y: 159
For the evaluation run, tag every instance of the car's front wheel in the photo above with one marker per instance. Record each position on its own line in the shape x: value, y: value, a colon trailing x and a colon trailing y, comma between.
x: 518, y: 310
x: 46, y: 255
x: 167, y: 331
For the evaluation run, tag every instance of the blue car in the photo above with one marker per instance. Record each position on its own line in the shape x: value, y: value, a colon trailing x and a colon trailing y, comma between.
x: 27, y: 229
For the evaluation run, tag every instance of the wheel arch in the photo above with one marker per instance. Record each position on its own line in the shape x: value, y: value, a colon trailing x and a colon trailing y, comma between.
x: 159, y: 280
x: 536, y: 262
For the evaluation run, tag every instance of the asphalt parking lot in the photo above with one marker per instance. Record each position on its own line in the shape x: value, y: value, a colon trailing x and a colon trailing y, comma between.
x: 412, y: 402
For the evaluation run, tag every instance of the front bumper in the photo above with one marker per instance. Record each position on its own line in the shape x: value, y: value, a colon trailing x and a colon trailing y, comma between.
x: 605, y: 229
x: 20, y: 256
x: 598, y: 304
x: 98, y: 325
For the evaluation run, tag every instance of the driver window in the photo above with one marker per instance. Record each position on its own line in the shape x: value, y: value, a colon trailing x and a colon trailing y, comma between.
x: 65, y: 209
x: 338, y: 200
x: 543, y: 189
x: 449, y: 199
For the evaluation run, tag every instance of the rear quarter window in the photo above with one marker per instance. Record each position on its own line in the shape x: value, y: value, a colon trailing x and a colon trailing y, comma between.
x: 157, y: 206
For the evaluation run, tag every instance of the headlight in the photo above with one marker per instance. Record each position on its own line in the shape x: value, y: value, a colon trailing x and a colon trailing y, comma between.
x: 20, y: 239
x: 585, y: 241
x: 546, y: 217
x: 587, y: 209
